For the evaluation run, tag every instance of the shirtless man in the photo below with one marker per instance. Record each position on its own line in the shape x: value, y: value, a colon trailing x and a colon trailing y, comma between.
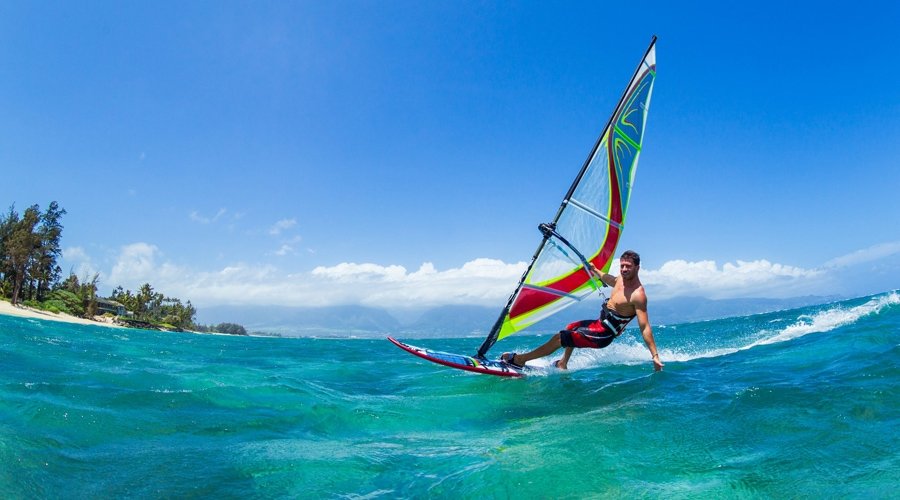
x: 626, y: 302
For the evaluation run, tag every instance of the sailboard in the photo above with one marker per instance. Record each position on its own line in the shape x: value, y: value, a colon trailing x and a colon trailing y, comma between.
x: 586, y: 229
x: 463, y: 362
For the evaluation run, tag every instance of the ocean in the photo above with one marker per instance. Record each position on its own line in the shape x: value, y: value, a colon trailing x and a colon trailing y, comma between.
x: 802, y: 403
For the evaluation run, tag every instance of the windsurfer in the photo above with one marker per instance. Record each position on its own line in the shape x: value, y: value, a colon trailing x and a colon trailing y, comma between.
x: 627, y: 301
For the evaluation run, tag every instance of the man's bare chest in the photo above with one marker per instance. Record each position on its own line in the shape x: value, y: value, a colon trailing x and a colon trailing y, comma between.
x: 620, y: 301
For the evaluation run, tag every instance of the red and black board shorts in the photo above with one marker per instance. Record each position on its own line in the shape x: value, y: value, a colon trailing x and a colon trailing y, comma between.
x: 589, y: 333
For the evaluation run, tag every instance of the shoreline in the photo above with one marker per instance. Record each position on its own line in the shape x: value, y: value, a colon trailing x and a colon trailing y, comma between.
x: 7, y: 309
x: 21, y: 311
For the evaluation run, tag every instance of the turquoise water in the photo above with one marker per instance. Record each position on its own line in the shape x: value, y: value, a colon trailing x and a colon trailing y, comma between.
x: 800, y: 403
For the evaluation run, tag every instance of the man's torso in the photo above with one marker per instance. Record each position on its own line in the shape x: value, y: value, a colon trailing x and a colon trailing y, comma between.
x: 621, y: 300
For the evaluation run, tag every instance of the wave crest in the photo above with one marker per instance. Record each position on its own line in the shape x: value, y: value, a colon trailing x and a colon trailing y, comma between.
x: 632, y: 350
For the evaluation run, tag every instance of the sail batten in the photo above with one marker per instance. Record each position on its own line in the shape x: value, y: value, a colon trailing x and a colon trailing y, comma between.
x: 590, y: 218
x: 550, y: 290
x: 593, y: 212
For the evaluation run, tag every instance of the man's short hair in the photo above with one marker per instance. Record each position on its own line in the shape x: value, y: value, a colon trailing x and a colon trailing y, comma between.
x: 632, y: 256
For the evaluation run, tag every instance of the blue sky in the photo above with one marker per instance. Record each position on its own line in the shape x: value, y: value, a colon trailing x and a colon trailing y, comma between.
x: 398, y: 153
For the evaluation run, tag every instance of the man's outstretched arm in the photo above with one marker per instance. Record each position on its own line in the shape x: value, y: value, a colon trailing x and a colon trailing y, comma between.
x: 640, y: 308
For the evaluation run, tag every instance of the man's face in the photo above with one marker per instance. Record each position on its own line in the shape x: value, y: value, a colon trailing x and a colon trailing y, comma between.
x: 627, y: 268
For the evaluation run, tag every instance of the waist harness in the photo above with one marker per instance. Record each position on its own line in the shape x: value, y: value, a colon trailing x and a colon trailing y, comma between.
x: 614, y: 321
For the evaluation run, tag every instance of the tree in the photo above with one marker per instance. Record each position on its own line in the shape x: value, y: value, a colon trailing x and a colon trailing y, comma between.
x: 89, y: 295
x: 86, y: 292
x: 151, y: 306
x: 29, y: 249
x: 71, y: 284
x: 46, y: 271
x: 125, y: 298
x: 144, y: 297
x: 7, y: 226
x: 187, y: 315
x: 21, y: 247
x: 230, y: 328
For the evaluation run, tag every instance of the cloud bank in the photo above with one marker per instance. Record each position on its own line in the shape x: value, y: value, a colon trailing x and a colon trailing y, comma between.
x: 481, y: 281
x: 866, y: 255
x: 759, y: 278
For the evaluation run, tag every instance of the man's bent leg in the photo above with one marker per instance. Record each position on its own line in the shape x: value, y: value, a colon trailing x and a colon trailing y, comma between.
x: 545, y: 350
x: 563, y: 364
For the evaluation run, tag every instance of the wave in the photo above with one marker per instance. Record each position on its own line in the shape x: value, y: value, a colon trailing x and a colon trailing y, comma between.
x: 629, y: 351
x: 830, y: 319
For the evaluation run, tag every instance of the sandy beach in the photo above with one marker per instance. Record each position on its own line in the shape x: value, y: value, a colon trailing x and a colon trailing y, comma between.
x: 27, y: 312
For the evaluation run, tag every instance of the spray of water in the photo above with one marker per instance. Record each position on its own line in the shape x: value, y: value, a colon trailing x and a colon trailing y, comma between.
x: 633, y: 351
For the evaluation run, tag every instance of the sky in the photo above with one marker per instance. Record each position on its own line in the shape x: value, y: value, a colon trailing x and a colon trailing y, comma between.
x: 401, y: 153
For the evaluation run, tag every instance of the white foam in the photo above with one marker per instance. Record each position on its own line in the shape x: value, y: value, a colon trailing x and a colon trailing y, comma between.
x: 625, y: 351
x: 633, y: 351
x: 829, y: 319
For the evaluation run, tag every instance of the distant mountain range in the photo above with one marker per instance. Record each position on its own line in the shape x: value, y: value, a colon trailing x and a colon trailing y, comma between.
x: 464, y: 321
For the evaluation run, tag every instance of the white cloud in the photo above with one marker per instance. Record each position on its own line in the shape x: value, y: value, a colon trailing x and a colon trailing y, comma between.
x: 137, y: 264
x: 80, y: 262
x: 137, y: 259
x: 759, y: 278
x: 482, y: 281
x: 197, y: 217
x: 285, y: 250
x: 282, y: 225
x: 479, y: 282
x: 360, y: 273
x: 875, y: 252
x: 288, y: 246
x: 75, y: 254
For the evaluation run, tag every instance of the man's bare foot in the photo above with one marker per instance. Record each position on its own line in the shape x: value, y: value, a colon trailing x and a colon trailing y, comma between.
x: 559, y: 364
x: 510, y: 358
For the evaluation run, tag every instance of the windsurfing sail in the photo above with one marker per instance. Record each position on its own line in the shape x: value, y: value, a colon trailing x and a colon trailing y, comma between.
x: 590, y: 219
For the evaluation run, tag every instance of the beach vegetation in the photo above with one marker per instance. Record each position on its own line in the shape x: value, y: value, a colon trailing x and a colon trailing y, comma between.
x: 229, y: 328
x: 153, y: 307
x: 30, y: 247
x: 81, y: 294
x: 55, y: 306
x: 66, y: 301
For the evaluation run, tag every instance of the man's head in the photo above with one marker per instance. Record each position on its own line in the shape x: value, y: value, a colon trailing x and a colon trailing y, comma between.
x: 632, y: 256
x: 629, y: 263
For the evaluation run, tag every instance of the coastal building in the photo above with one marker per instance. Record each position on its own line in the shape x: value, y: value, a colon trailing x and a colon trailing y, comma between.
x: 110, y: 306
